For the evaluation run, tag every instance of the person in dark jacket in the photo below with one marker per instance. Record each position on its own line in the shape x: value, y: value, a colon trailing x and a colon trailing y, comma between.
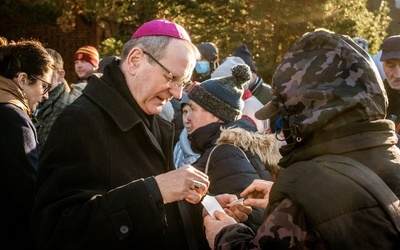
x: 25, y: 73
x: 207, y: 63
x: 106, y: 178
x: 257, y: 86
x: 59, y: 98
x: 390, y: 59
x: 341, y: 163
x: 216, y: 104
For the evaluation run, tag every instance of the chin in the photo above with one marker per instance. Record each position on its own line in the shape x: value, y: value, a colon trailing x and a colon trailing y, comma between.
x: 155, y: 111
x: 396, y: 86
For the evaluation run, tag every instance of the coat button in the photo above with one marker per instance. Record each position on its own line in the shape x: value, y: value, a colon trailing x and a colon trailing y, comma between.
x: 124, y: 229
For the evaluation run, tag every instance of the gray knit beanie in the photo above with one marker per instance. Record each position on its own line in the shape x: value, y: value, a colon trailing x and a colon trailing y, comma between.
x: 222, y: 96
x: 224, y: 69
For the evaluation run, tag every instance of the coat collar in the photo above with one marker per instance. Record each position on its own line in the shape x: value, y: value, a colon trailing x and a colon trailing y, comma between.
x: 10, y: 92
x: 205, y: 137
x: 112, y: 103
x: 111, y: 93
x: 349, y: 138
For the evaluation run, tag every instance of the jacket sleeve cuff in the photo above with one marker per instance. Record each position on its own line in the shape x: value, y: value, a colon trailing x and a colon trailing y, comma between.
x: 154, y: 190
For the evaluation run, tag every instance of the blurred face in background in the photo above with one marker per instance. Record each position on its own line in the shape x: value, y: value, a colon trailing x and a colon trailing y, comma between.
x: 57, y: 77
x: 185, y: 111
x: 391, y: 68
x: 199, y: 117
x: 84, y: 69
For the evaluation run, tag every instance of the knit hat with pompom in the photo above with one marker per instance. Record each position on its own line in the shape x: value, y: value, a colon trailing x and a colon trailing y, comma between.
x: 222, y: 96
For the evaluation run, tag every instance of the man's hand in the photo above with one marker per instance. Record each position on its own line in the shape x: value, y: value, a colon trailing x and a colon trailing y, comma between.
x: 239, y: 212
x: 185, y: 183
x: 213, y: 227
x: 257, y: 193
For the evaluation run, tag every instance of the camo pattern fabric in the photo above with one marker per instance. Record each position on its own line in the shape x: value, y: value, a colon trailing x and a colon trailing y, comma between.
x: 287, y: 227
x: 325, y: 75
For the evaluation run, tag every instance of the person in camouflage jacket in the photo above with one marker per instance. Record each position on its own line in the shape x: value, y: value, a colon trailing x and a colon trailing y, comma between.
x: 333, y: 105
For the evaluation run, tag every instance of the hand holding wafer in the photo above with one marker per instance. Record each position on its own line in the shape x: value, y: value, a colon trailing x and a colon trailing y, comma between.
x: 240, y: 201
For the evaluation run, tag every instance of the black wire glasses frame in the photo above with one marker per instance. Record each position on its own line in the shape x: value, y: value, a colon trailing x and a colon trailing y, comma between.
x: 173, y: 78
x: 47, y: 87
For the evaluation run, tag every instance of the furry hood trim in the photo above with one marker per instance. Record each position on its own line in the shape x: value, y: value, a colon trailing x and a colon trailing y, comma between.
x: 266, y: 146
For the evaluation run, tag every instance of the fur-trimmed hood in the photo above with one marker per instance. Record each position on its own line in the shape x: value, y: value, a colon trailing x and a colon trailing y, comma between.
x: 266, y: 146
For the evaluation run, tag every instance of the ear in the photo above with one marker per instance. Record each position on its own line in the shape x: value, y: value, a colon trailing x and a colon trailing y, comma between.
x: 22, y: 80
x: 61, y: 74
x: 134, y: 60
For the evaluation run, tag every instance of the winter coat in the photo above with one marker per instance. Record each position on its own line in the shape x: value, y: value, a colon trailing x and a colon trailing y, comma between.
x: 19, y: 156
x: 95, y: 187
x: 251, y: 105
x: 333, y: 106
x: 359, y: 219
x: 59, y: 98
x: 393, y: 110
x: 230, y: 169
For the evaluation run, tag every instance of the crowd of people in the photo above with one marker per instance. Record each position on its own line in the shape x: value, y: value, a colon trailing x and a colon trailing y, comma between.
x: 123, y: 157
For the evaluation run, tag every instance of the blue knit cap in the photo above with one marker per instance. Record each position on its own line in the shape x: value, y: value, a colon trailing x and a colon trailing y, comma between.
x: 222, y: 96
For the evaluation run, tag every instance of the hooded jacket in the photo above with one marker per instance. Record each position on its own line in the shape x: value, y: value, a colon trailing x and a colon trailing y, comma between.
x: 332, y: 100
x: 230, y: 169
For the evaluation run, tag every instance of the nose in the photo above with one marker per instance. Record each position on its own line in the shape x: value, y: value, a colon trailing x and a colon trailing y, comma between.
x: 397, y: 71
x: 176, y: 92
x: 45, y: 96
x: 188, y: 117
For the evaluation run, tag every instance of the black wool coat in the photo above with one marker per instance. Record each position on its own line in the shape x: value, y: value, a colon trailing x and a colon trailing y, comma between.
x: 19, y: 160
x: 230, y: 169
x: 95, y: 185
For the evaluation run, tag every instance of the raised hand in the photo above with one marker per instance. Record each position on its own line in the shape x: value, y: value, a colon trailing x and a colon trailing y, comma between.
x: 214, y: 226
x: 257, y: 193
x: 185, y: 183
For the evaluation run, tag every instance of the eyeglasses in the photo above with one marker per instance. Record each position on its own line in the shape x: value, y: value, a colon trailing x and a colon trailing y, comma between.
x: 173, y: 79
x: 47, y: 87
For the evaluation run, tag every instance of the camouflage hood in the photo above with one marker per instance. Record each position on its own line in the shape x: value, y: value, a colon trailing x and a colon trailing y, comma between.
x: 323, y: 82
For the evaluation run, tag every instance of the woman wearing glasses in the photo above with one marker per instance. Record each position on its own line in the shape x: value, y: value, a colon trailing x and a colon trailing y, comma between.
x: 25, y: 73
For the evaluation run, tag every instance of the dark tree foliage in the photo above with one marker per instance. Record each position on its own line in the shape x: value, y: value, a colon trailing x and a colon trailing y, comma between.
x: 268, y: 27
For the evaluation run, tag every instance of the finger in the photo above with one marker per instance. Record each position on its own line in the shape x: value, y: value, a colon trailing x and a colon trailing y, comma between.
x: 219, y: 215
x: 253, y: 188
x: 197, y: 172
x: 207, y: 220
x: 236, y: 202
x: 193, y: 197
x: 196, y: 185
x: 244, y: 209
x: 199, y: 187
x: 235, y: 216
x: 256, y: 202
x: 239, y: 215
x: 200, y: 173
x: 231, y: 214
x: 224, y: 199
